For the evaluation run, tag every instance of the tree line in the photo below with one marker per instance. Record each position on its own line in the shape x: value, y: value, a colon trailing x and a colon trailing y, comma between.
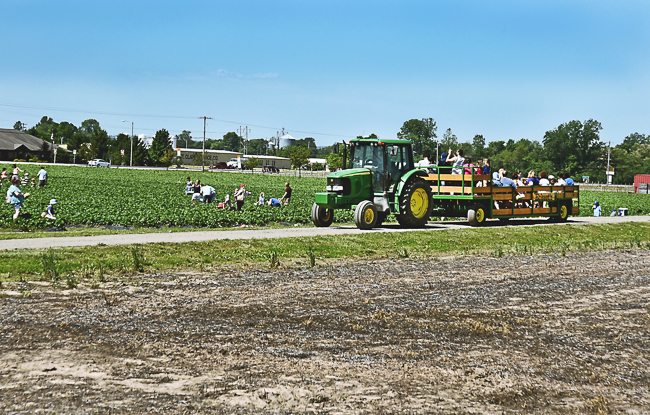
x: 574, y: 147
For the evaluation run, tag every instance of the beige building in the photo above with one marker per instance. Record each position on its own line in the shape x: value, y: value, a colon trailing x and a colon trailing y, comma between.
x: 192, y: 156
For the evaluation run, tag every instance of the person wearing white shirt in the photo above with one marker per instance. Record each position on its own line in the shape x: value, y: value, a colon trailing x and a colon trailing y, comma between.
x: 208, y: 193
x: 42, y: 177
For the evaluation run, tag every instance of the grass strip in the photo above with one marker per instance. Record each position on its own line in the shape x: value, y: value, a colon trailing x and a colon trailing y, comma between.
x: 127, y: 260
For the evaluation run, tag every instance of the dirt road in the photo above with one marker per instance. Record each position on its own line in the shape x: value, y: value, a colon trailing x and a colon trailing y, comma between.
x: 125, y: 239
x: 546, y: 334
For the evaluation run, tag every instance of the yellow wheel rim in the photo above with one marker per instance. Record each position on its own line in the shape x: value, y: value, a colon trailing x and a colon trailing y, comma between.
x: 563, y: 212
x: 368, y: 216
x: 480, y: 215
x: 326, y: 214
x: 419, y: 203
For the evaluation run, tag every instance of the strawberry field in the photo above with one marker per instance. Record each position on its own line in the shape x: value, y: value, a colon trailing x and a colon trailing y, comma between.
x: 154, y: 198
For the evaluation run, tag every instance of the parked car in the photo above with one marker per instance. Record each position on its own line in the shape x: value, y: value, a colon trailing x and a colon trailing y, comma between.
x: 98, y: 163
x: 219, y: 165
x: 270, y: 169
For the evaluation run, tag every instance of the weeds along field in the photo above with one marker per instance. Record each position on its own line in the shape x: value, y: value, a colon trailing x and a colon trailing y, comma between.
x: 154, y: 198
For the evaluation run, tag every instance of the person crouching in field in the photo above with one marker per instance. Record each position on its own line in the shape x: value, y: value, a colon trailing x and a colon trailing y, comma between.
x: 49, y: 213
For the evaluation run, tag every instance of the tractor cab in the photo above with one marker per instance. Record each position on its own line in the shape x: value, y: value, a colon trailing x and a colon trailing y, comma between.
x: 386, y: 161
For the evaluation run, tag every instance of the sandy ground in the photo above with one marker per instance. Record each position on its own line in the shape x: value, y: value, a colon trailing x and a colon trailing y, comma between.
x: 305, y: 231
x: 552, y: 334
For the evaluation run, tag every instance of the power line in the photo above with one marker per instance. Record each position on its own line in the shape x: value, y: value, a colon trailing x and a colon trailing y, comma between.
x: 158, y: 116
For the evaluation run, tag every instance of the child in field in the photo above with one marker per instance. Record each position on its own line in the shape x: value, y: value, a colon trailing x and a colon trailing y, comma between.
x: 260, y: 201
x: 189, y: 187
x: 597, y: 209
x: 49, y: 213
x: 25, y: 181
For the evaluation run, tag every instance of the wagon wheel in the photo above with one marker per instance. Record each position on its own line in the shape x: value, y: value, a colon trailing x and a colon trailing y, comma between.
x: 563, y: 213
x: 476, y: 215
x: 365, y: 215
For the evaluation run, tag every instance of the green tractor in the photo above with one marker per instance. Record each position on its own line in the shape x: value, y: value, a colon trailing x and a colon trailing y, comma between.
x: 380, y: 180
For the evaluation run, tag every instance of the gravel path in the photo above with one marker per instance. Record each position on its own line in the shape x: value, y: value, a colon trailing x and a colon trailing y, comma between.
x: 527, y: 334
x: 125, y: 239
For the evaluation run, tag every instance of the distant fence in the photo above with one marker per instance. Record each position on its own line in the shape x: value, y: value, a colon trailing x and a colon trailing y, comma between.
x: 619, y: 188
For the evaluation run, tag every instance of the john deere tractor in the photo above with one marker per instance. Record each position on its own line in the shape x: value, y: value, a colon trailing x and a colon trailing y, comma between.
x: 379, y: 180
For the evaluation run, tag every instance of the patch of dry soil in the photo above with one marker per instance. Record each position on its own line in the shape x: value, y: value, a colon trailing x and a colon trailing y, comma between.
x: 469, y: 335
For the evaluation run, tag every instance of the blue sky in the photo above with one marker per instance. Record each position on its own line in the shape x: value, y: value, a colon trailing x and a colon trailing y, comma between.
x: 328, y: 69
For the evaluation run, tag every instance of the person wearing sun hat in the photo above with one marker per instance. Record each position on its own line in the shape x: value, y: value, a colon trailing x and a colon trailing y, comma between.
x: 49, y: 213
x: 597, y: 209
x: 240, y: 196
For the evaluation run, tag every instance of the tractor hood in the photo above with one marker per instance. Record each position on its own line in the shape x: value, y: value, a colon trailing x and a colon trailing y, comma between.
x: 348, y: 173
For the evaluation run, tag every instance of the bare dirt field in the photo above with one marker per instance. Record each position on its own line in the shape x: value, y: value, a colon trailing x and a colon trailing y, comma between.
x: 558, y: 334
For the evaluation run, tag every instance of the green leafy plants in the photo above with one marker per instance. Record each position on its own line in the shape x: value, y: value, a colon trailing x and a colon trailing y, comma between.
x: 124, y: 198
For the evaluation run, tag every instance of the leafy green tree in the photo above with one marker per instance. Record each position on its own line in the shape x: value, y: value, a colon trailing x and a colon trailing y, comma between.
x: 140, y: 153
x: 478, y: 147
x: 19, y: 126
x: 449, y: 140
x: 183, y: 139
x: 65, y: 131
x: 159, y: 146
x: 43, y: 129
x: 99, y: 144
x: 574, y: 146
x: 257, y: 146
x: 251, y: 163
x: 421, y: 133
x: 232, y: 142
x: 632, y: 139
x: 335, y: 161
x: 308, y: 142
x: 90, y: 126
x: 167, y: 158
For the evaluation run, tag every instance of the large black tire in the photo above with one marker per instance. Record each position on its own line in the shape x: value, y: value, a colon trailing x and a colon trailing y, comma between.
x: 476, y: 215
x: 564, y: 209
x: 322, y: 218
x: 365, y: 215
x: 415, y: 204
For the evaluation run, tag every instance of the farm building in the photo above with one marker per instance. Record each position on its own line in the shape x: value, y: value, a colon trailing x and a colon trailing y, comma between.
x: 279, y: 162
x: 16, y: 144
x: 192, y: 156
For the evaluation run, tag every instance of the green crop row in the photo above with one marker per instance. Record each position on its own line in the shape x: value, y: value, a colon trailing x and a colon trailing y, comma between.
x: 154, y: 198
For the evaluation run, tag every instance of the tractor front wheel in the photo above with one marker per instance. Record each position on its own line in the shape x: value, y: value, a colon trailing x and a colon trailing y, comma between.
x: 322, y: 218
x: 415, y: 204
x: 365, y: 215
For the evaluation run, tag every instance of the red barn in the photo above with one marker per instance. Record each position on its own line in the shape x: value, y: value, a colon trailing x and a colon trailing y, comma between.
x: 641, y: 183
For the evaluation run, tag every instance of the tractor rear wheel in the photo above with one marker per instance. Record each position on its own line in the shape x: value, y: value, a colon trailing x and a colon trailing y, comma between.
x: 415, y: 204
x: 476, y: 215
x: 322, y: 218
x: 365, y: 215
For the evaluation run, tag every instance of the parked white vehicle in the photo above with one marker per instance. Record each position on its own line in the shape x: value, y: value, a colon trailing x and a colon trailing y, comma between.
x: 98, y: 163
x: 233, y: 164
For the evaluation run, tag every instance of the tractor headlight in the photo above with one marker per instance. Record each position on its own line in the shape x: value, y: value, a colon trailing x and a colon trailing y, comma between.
x: 328, y: 188
x: 337, y: 188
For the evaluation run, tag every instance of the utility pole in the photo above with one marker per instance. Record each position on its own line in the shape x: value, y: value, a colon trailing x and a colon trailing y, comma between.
x: 609, y: 177
x: 203, y: 158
